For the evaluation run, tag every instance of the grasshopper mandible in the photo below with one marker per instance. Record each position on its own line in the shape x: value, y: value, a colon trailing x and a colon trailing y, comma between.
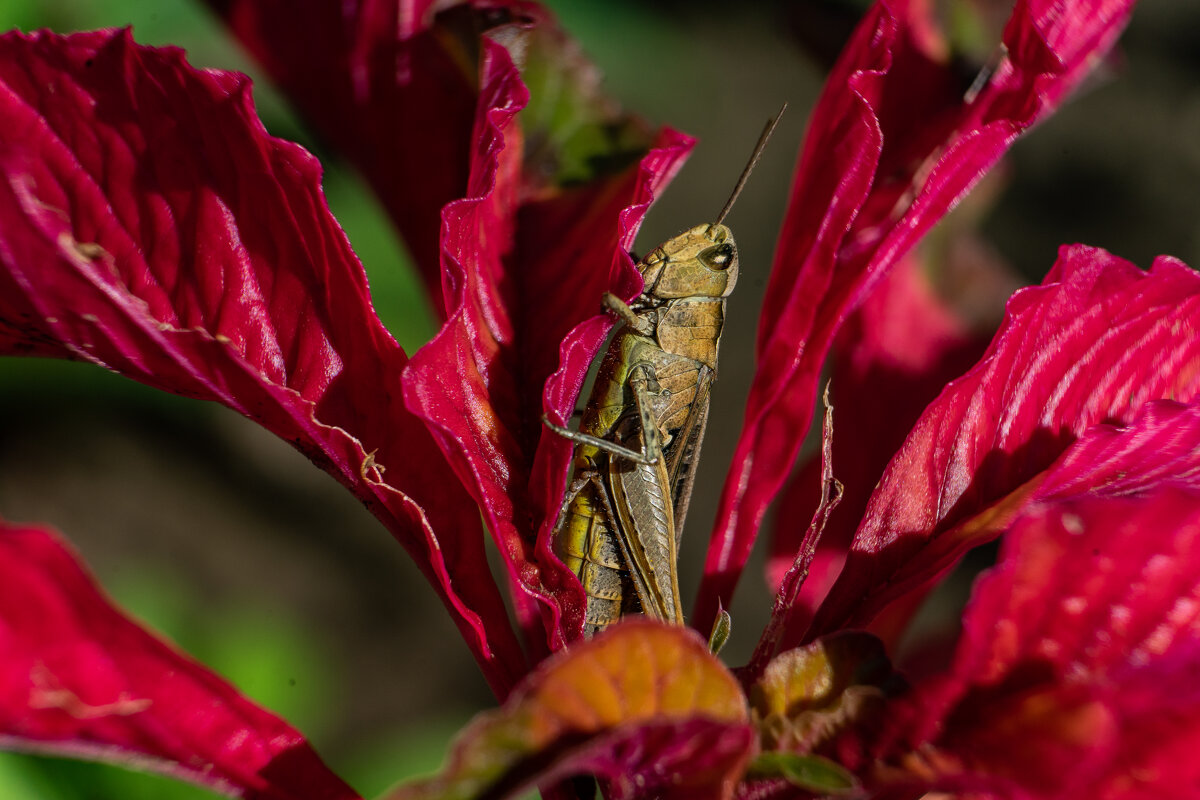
x: 639, y: 439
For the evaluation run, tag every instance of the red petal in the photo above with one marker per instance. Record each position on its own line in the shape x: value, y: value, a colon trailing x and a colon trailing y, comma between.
x: 890, y: 360
x: 891, y: 147
x: 1095, y: 342
x: 388, y: 87
x: 645, y: 706
x: 1160, y: 446
x: 149, y: 224
x: 1077, y: 674
x: 460, y: 382
x: 78, y: 678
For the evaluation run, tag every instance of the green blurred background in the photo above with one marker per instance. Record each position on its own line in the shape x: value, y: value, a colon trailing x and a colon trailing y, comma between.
x: 240, y: 551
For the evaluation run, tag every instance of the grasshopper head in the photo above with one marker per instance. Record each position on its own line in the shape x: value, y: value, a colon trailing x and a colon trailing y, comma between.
x: 702, y: 262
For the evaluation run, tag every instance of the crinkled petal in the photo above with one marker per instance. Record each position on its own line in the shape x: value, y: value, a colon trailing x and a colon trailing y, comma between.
x: 1077, y: 672
x: 463, y: 383
x: 892, y: 145
x: 1093, y: 344
x: 389, y: 85
x: 150, y: 225
x: 645, y: 707
x: 78, y: 678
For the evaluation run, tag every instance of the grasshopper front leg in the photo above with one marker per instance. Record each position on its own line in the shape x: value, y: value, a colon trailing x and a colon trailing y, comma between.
x: 621, y: 309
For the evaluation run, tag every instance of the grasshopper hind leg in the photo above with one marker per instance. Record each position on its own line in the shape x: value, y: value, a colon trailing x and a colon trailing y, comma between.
x: 600, y: 444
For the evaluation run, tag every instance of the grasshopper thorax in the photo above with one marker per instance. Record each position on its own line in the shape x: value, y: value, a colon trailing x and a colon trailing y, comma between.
x: 701, y: 262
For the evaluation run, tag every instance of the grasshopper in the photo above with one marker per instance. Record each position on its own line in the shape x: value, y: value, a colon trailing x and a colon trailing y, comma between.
x: 639, y: 438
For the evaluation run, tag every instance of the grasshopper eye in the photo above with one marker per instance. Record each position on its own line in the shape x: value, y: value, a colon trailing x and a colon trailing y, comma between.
x: 719, y: 257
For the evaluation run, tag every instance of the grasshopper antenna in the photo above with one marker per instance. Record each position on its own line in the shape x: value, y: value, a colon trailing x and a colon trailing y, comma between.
x: 768, y: 129
x: 986, y: 73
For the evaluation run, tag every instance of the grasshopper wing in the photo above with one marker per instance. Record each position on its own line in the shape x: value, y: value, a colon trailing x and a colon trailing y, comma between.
x: 642, y: 501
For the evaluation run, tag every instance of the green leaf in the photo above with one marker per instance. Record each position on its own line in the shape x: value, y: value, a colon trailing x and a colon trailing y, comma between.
x: 720, y: 632
x: 814, y: 773
x: 574, y: 133
x: 808, y: 695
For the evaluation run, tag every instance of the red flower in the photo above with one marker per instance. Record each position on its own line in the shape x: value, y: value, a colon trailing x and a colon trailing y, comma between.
x: 149, y: 224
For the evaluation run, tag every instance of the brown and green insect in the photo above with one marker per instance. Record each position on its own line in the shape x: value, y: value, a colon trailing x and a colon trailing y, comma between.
x: 639, y: 439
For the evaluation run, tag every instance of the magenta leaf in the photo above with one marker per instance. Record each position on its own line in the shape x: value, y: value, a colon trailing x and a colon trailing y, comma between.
x: 1076, y: 675
x: 1094, y: 343
x: 904, y: 344
x: 893, y: 144
x: 150, y: 225
x: 645, y: 707
x: 1160, y: 446
x: 79, y: 678
x: 463, y: 383
x: 388, y: 86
